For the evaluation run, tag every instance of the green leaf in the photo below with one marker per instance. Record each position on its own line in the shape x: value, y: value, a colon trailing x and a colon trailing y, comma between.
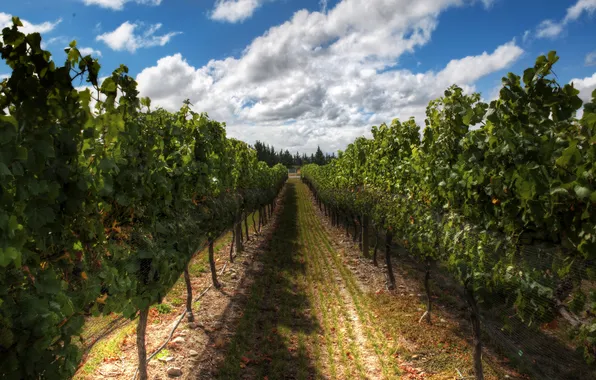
x: 4, y: 170
x: 108, y: 86
x: 468, y: 116
x: 107, y: 164
x: 9, y: 255
x: 45, y: 149
x: 526, y: 189
x: 13, y: 225
x: 17, y: 169
x: 529, y: 75
x: 569, y: 157
x: 582, y: 192
x: 22, y: 153
x: 559, y: 191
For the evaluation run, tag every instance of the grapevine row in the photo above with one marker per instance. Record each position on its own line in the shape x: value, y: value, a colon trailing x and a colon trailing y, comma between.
x: 103, y: 200
x: 486, y: 191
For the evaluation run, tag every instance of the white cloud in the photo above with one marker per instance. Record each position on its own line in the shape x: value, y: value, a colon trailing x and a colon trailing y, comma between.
x: 322, y: 78
x: 44, y: 27
x: 526, y: 36
x: 590, y: 59
x: 575, y: 11
x: 585, y: 87
x: 323, y: 4
x: 125, y: 38
x: 89, y: 51
x: 549, y: 29
x: 552, y: 29
x: 488, y: 3
x: 234, y: 10
x: 119, y: 4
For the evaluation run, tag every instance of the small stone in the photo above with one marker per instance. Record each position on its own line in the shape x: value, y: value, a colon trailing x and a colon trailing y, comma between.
x: 442, y: 320
x: 174, y: 372
x: 178, y: 340
x: 167, y: 359
x: 193, y: 353
x: 110, y: 370
x: 415, y: 357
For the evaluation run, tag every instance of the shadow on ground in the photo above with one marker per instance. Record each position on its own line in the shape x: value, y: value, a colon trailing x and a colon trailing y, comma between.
x: 530, y: 350
x: 270, y: 338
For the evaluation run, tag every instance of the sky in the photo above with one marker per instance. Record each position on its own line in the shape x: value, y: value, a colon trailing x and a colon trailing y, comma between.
x: 305, y: 73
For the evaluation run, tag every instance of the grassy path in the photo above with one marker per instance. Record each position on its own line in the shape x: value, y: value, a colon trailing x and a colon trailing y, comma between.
x: 305, y: 316
x: 300, y: 303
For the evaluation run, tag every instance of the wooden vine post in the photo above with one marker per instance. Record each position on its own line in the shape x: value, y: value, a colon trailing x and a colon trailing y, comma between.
x: 212, y: 265
x: 141, y: 349
x: 189, y: 314
x: 475, y: 320
x: 388, y: 240
x: 347, y: 225
x: 246, y: 226
x: 364, y: 233
x: 376, y: 248
x: 427, y: 288
x: 238, y: 227
x: 232, y: 244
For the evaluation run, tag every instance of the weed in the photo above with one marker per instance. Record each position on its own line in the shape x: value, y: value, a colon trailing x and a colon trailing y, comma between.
x: 163, y: 308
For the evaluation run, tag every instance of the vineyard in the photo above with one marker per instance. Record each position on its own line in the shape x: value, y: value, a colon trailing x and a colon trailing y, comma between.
x: 103, y: 207
x: 367, y: 267
x: 499, y: 195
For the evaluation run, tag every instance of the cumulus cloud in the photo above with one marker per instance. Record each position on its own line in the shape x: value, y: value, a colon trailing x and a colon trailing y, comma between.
x: 119, y: 4
x: 125, y: 38
x: 585, y: 87
x: 322, y: 78
x: 89, y: 51
x: 552, y: 29
x: 235, y: 10
x: 28, y: 27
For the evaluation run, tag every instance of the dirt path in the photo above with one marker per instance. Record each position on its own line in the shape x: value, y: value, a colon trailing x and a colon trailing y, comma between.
x: 302, y: 303
x: 302, y: 316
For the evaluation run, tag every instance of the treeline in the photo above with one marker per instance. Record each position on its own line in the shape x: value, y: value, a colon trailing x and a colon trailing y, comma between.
x: 268, y: 154
x: 508, y: 208
x: 101, y: 210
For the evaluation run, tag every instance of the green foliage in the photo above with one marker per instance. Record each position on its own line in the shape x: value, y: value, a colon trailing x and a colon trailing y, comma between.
x: 163, y: 308
x: 481, y: 199
x: 177, y: 302
x: 100, y: 210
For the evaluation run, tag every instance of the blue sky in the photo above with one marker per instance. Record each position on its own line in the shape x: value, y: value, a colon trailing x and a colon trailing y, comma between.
x: 299, y: 74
